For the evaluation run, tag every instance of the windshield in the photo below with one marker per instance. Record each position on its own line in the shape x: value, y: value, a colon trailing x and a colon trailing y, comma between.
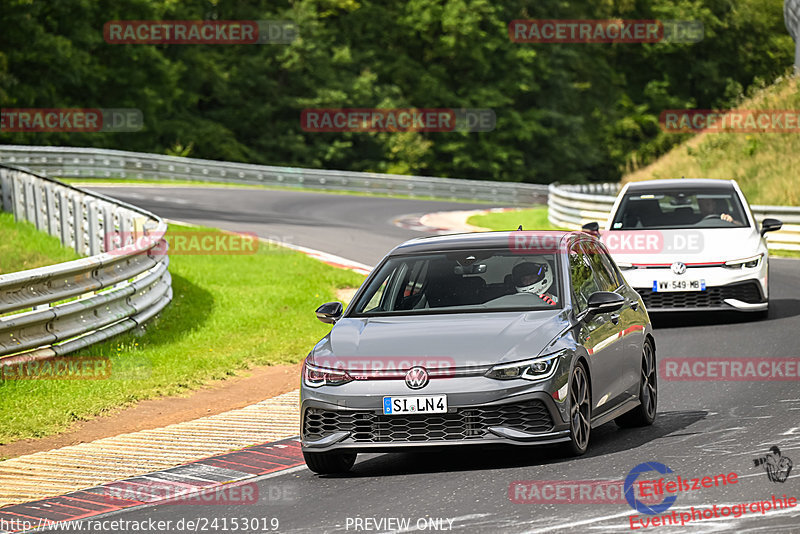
x: 693, y: 208
x: 462, y: 281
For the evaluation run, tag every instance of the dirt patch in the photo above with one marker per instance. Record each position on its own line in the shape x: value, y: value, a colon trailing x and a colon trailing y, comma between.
x: 345, y: 295
x: 220, y: 396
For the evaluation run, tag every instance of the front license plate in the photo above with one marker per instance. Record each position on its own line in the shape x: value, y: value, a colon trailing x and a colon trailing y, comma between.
x: 678, y: 285
x: 406, y: 405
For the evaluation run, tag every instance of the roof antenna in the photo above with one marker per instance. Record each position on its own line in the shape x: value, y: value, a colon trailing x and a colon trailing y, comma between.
x: 520, y: 228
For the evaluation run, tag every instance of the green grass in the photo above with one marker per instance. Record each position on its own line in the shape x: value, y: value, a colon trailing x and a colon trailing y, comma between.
x: 228, y: 313
x: 784, y: 253
x: 766, y: 165
x: 530, y: 219
x: 24, y: 247
x: 98, y: 182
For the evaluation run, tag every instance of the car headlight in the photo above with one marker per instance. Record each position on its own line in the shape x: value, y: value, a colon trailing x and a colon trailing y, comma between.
x: 315, y: 376
x: 535, y: 369
x: 747, y: 263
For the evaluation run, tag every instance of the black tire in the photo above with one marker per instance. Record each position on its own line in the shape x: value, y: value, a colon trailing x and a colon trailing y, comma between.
x: 330, y: 463
x: 645, y: 413
x: 580, y: 411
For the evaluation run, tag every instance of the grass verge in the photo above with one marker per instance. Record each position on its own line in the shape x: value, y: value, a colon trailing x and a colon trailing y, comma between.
x: 784, y: 253
x: 228, y: 313
x: 530, y: 219
x: 24, y: 247
x: 765, y: 165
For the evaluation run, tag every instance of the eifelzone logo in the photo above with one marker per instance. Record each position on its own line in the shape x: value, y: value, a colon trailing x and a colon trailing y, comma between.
x: 639, y: 505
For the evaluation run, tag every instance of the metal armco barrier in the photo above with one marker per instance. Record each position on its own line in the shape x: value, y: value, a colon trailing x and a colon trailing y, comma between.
x: 571, y: 206
x: 61, y: 308
x: 93, y: 163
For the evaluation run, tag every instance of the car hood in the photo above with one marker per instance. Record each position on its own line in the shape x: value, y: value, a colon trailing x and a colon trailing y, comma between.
x: 452, y: 340
x: 686, y: 245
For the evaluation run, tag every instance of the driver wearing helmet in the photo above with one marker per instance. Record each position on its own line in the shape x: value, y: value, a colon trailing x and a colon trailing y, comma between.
x: 534, y: 278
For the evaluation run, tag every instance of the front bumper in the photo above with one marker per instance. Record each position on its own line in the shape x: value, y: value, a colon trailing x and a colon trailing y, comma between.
x: 726, y: 289
x: 510, y: 416
x: 741, y: 296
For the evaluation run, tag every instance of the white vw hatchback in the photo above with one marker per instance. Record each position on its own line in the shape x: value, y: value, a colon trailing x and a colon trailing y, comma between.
x: 688, y: 245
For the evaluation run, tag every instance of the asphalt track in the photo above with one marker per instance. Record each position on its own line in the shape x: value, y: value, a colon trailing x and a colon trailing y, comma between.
x: 704, y: 428
x: 355, y: 227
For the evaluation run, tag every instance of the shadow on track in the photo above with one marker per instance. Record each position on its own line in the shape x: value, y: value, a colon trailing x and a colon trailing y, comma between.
x: 778, y: 309
x: 605, y: 440
x: 784, y: 308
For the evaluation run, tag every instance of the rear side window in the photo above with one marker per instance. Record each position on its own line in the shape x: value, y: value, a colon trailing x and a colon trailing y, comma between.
x: 581, y: 276
x: 604, y: 272
x: 590, y: 270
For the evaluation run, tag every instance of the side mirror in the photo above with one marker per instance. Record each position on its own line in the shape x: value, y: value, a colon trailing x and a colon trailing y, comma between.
x: 604, y: 302
x: 592, y: 228
x: 770, y: 225
x: 330, y: 312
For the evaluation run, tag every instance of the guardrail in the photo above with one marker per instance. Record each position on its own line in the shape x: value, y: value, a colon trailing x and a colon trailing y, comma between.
x: 93, y: 163
x: 54, y: 310
x: 571, y: 206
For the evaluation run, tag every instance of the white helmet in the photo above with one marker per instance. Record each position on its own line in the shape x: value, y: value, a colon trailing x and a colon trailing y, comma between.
x: 532, y: 277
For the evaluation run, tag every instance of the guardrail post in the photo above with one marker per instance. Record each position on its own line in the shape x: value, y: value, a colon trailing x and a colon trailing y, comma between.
x: 77, y: 224
x: 16, y: 195
x: 64, y: 219
x: 108, y: 239
x: 125, y: 228
x: 30, y: 203
x: 50, y: 204
x: 39, y: 208
x: 6, y: 192
x: 93, y: 227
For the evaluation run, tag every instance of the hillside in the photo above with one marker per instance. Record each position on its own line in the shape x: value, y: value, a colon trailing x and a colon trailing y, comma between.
x: 766, y: 165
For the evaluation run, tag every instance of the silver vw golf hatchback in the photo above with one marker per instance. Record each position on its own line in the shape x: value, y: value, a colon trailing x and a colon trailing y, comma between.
x: 498, y: 338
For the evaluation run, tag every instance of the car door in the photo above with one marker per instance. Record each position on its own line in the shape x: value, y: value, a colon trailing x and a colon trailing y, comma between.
x: 632, y: 321
x: 599, y: 333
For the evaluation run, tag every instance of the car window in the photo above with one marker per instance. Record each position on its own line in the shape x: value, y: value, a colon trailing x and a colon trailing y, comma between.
x: 377, y: 293
x: 458, y: 281
x: 611, y: 267
x: 602, y: 270
x: 674, y: 209
x: 412, y: 285
x: 581, y: 276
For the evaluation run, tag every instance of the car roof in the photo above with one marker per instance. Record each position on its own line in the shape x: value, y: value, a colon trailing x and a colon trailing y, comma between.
x: 475, y: 240
x: 682, y: 183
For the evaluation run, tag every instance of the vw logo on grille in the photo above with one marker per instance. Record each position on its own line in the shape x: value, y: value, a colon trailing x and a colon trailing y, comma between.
x: 678, y: 267
x: 417, y: 378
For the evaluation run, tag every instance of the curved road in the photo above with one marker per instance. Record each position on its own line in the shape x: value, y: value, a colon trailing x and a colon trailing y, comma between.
x: 355, y: 227
x: 704, y: 428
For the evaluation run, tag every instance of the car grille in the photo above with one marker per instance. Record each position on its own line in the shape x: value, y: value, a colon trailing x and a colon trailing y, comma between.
x: 712, y: 297
x: 464, y: 424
